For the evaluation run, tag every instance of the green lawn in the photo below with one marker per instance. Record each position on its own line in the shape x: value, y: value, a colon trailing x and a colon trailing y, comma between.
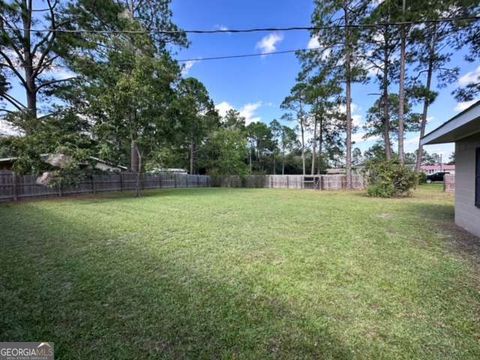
x: 241, y: 273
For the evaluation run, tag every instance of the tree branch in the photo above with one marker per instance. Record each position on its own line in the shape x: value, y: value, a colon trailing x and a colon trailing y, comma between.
x: 17, y: 104
x: 13, y: 68
x: 48, y: 83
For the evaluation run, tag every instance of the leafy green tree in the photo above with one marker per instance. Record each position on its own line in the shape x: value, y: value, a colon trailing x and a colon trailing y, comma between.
x: 233, y: 120
x: 63, y: 133
x: 197, y: 115
x: 285, y: 139
x: 357, y: 156
x: 226, y: 150
x: 261, y: 143
x: 126, y: 83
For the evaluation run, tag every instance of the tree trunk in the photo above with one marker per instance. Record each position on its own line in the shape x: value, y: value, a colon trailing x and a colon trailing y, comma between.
x: 320, y: 145
x: 386, y: 115
x: 30, y: 86
x: 314, y: 145
x: 303, y: 146
x: 192, y: 157
x: 274, y: 164
x: 133, y: 156
x: 283, y: 160
x: 426, y: 101
x: 401, y: 93
x: 348, y: 96
x: 250, y: 159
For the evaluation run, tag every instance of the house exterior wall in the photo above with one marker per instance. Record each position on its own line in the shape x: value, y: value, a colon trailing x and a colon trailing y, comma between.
x: 467, y: 215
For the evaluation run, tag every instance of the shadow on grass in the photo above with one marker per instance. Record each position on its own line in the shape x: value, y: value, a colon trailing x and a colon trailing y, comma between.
x: 440, y: 218
x: 99, y: 294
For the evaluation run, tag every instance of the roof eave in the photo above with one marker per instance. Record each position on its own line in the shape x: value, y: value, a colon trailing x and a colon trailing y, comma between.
x: 462, y: 125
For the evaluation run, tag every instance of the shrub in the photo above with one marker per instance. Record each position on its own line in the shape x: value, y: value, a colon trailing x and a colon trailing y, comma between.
x: 390, y: 179
x: 422, y: 178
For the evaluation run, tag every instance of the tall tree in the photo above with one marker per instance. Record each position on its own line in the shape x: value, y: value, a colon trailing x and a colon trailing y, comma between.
x: 109, y: 27
x: 432, y: 57
x: 336, y: 21
x: 374, y: 125
x: 261, y: 144
x: 381, y: 44
x: 401, y: 91
x: 468, y: 36
x: 196, y: 114
x: 295, y: 103
x: 29, y: 55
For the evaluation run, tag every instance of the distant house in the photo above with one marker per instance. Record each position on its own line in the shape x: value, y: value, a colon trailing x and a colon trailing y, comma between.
x: 431, y: 169
x: 7, y: 163
x: 56, y: 159
x: 168, y: 171
x: 464, y: 130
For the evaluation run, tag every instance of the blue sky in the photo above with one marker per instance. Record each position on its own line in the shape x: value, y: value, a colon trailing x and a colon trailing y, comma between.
x: 256, y: 86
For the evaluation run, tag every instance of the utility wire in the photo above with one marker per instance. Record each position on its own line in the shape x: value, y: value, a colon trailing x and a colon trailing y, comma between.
x: 254, y: 30
x: 245, y: 55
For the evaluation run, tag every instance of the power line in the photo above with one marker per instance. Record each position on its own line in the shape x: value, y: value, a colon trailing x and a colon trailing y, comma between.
x: 254, y: 30
x: 245, y: 55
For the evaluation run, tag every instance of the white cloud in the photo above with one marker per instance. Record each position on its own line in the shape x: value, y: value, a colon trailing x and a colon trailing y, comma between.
x: 223, y: 108
x: 248, y: 111
x: 373, y: 71
x: 269, y: 42
x: 187, y: 66
x: 7, y: 130
x: 464, y: 105
x: 221, y: 27
x: 470, y: 77
x: 357, y: 118
x: 313, y: 43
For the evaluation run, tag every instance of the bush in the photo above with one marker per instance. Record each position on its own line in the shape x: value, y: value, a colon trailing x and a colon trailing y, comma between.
x: 422, y: 178
x: 390, y: 179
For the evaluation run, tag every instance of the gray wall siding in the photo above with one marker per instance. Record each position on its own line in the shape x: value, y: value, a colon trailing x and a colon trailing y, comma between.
x: 467, y: 215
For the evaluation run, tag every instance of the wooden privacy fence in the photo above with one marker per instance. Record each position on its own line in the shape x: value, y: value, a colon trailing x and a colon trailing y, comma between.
x: 14, y: 187
x: 318, y: 182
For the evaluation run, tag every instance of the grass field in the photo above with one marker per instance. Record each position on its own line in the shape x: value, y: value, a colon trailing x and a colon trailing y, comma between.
x: 241, y: 273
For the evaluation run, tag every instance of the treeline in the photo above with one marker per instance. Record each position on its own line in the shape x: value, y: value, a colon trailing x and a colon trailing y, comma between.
x: 404, y: 47
x: 99, y: 79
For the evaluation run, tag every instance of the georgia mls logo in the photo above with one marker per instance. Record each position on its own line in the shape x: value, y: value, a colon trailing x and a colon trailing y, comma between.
x: 26, y: 351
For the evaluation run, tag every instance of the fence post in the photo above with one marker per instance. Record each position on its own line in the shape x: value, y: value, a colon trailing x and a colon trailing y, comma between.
x: 14, y: 184
x: 175, y: 180
x: 92, y: 179
x: 121, y: 181
x: 288, y: 185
